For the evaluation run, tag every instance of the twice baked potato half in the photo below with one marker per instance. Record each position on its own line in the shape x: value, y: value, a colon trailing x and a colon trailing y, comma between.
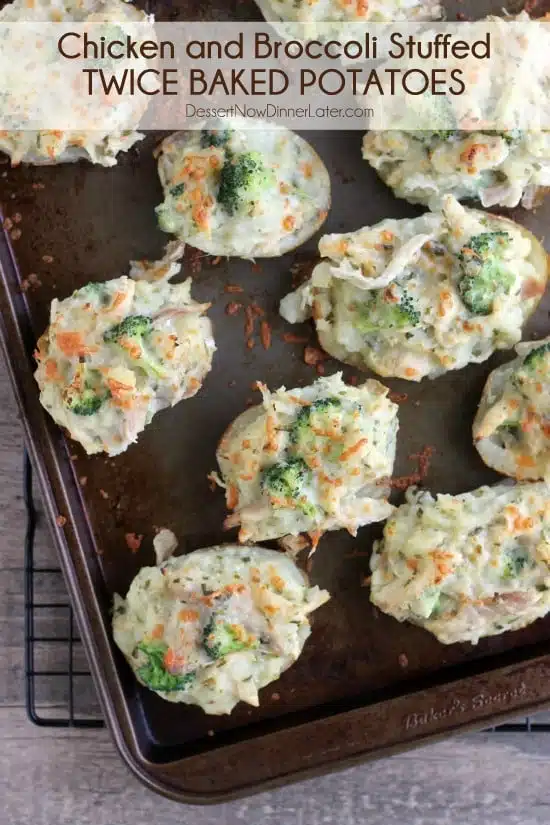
x: 417, y: 297
x: 99, y: 146
x: 115, y: 353
x: 466, y: 566
x: 309, y: 460
x: 495, y: 168
x: 512, y: 427
x: 215, y: 626
x: 248, y: 189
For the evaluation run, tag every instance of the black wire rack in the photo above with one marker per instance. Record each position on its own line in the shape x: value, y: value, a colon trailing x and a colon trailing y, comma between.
x: 67, y: 684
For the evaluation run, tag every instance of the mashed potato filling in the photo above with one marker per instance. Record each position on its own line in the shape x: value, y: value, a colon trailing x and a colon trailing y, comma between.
x: 495, y: 168
x: 115, y: 353
x: 52, y: 146
x: 309, y: 460
x: 354, y: 11
x: 417, y: 297
x: 466, y: 566
x: 245, y: 189
x: 214, y: 627
x: 512, y: 427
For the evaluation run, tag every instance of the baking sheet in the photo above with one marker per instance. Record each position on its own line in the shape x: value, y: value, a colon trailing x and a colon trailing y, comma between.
x: 360, y: 668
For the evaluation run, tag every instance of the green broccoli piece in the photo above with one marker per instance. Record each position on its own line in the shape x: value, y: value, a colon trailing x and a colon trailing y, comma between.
x: 483, y: 276
x: 444, y: 134
x: 487, y: 243
x: 177, y: 190
x: 154, y: 673
x: 220, y: 639
x: 214, y: 137
x: 86, y: 402
x: 533, y: 360
x: 514, y: 562
x: 86, y: 394
x: 243, y: 179
x: 134, y: 329
x: 316, y: 415
x: 287, y: 478
x: 380, y: 313
x: 93, y: 288
x: 510, y: 428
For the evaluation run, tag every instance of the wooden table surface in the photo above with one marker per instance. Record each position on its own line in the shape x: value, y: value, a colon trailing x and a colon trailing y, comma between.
x: 68, y: 777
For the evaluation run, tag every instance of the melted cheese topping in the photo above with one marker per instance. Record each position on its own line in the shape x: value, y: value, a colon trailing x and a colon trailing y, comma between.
x: 214, y: 627
x: 388, y: 297
x: 280, y: 204
x: 501, y: 169
x: 54, y: 146
x: 466, y: 566
x: 512, y: 426
x: 350, y: 11
x: 310, y: 460
x: 104, y: 386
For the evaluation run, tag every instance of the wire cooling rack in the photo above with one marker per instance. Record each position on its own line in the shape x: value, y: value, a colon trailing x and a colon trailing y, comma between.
x: 70, y: 682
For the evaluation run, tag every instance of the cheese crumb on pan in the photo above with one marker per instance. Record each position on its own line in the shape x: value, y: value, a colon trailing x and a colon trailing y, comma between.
x: 214, y: 627
x: 417, y: 297
x: 512, y: 426
x: 466, y: 566
x: 116, y: 353
x: 242, y: 188
x: 53, y: 146
x: 309, y: 460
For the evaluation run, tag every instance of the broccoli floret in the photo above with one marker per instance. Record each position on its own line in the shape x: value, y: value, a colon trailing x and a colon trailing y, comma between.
x: 286, y: 479
x: 445, y: 134
x: 86, y: 394
x: 534, y: 358
x: 511, y: 429
x: 221, y: 638
x: 243, y: 178
x: 177, y: 190
x: 214, y: 137
x: 316, y: 415
x: 483, y: 276
x: 382, y: 311
x: 487, y: 243
x: 514, y: 562
x: 86, y: 402
x: 154, y: 673
x: 132, y: 331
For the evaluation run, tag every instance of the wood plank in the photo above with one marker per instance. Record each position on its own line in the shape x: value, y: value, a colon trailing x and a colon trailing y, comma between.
x: 68, y: 777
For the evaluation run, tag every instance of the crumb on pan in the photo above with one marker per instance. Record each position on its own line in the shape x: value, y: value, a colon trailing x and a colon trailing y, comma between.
x: 313, y: 356
x: 265, y: 334
x: 233, y: 307
x: 398, y: 397
x: 164, y: 544
x: 233, y: 288
x: 133, y: 541
x: 61, y: 521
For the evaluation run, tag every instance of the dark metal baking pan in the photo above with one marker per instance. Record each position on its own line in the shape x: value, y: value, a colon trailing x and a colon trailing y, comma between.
x: 365, y: 685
